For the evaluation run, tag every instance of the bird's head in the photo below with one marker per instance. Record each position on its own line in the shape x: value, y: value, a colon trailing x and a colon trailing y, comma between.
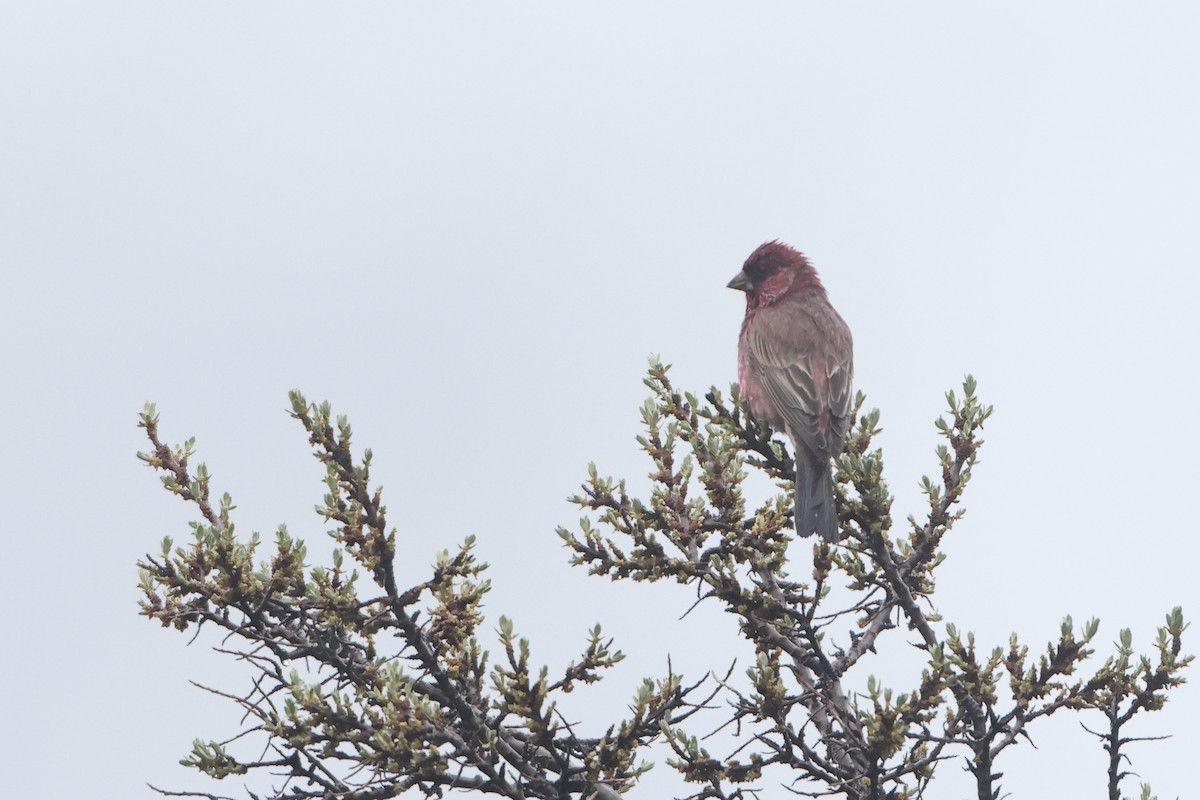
x: 775, y: 271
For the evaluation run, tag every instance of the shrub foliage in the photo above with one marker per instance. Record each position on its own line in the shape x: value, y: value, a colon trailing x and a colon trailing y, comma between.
x: 361, y: 688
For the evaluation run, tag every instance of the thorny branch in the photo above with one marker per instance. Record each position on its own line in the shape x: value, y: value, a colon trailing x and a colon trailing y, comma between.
x: 695, y: 527
x: 362, y: 688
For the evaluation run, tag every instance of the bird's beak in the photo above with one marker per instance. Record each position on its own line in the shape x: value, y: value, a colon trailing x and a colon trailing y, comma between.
x: 740, y: 282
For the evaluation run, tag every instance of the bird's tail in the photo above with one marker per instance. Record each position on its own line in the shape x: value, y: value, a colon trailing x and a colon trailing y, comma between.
x: 816, y: 510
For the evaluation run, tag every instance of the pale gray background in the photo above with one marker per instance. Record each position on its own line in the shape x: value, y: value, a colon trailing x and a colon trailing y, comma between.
x: 467, y: 226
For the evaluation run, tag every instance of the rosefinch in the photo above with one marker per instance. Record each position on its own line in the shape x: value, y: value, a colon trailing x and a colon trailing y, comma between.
x: 795, y: 366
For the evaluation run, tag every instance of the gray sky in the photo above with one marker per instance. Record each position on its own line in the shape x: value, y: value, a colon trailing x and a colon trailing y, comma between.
x: 467, y: 226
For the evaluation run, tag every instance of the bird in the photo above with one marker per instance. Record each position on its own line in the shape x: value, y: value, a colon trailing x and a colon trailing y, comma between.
x: 795, y: 370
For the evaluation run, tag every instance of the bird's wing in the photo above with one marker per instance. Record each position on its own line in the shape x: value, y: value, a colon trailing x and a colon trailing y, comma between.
x: 807, y: 371
x: 840, y: 369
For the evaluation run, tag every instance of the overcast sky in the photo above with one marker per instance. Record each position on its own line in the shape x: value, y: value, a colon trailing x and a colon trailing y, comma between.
x: 467, y: 225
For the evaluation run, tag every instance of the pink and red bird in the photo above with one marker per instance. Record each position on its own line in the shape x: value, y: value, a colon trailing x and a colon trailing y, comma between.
x: 795, y: 367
